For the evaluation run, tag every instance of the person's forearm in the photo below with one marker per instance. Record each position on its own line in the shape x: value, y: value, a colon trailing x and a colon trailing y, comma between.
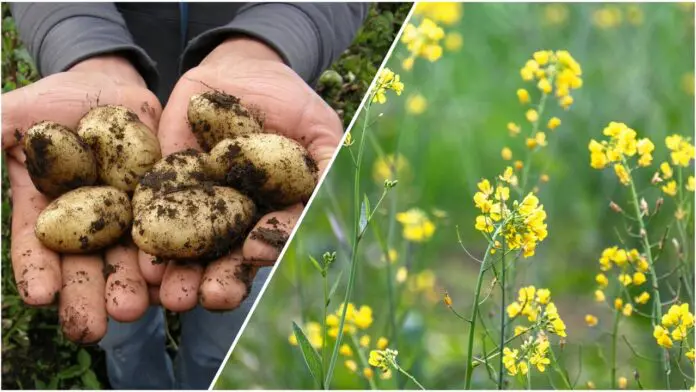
x: 307, y: 36
x: 61, y: 35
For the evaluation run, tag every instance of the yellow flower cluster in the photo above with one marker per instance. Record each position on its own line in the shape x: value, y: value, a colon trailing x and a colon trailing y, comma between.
x: 356, y: 318
x: 555, y: 72
x: 632, y: 267
x: 364, y: 344
x: 622, y: 144
x: 536, y: 305
x: 417, y: 225
x: 384, y: 359
x: 446, y: 13
x: 681, y: 151
x: 524, y: 222
x: 680, y: 320
x: 422, y: 41
x: 387, y: 80
x: 534, y: 352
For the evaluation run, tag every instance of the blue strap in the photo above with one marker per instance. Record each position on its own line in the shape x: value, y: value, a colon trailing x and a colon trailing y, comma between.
x: 183, y: 10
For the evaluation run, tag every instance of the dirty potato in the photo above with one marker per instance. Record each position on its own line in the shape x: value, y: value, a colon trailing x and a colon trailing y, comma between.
x: 124, y: 147
x: 198, y: 223
x: 84, y: 220
x: 57, y: 159
x: 270, y: 168
x: 175, y: 172
x: 215, y: 116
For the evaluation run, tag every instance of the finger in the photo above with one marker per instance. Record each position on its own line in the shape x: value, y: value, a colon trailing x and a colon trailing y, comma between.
x: 179, y: 290
x: 176, y: 133
x: 151, y: 268
x: 126, y: 291
x: 82, y: 310
x: 36, y: 268
x: 226, y: 283
x: 65, y: 98
x: 265, y: 242
x: 154, y: 295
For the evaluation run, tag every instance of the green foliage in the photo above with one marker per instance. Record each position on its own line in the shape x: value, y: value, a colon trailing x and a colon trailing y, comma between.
x: 633, y: 73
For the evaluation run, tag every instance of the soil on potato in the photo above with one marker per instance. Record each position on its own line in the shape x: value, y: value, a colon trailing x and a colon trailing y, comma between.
x: 271, y: 236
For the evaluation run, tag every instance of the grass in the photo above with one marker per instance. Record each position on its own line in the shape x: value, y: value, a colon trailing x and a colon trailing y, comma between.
x: 35, y: 354
x: 637, y: 69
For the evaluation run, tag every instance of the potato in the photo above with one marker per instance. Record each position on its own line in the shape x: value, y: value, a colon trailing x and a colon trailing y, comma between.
x: 270, y: 168
x: 215, y: 116
x: 198, y: 223
x: 57, y: 159
x: 84, y: 220
x: 125, y: 148
x: 175, y: 172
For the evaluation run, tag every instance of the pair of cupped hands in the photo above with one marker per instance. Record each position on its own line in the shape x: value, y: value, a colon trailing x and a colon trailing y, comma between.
x: 84, y: 293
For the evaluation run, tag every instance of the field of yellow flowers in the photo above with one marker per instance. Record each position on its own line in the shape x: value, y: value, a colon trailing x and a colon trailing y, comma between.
x: 513, y: 208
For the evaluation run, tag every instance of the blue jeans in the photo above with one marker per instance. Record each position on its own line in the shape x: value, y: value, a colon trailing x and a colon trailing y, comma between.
x: 135, y: 352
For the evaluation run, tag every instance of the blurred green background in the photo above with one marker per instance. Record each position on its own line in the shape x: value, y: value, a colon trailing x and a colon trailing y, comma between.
x: 35, y: 354
x: 638, y: 63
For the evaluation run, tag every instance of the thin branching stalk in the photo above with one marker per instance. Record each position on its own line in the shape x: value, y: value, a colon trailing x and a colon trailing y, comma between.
x: 363, y: 361
x: 324, y: 329
x: 410, y: 377
x: 354, y: 252
x: 614, y: 339
x: 501, y: 373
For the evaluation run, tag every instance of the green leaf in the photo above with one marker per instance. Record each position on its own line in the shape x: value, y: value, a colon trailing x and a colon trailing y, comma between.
x: 316, y: 264
x: 90, y: 381
x: 84, y: 359
x: 364, y: 213
x: 38, y: 384
x: 53, y: 385
x: 71, y: 372
x: 309, y: 354
x: 334, y: 288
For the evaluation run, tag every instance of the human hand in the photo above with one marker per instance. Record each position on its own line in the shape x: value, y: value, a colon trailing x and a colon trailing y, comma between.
x: 78, y: 282
x: 256, y: 74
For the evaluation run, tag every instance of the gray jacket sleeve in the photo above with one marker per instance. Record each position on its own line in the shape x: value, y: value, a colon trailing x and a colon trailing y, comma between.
x: 309, y: 36
x: 59, y: 35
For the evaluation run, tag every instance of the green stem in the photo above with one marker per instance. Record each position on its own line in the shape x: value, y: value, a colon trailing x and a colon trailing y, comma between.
x: 363, y: 361
x: 474, y: 310
x: 614, y: 334
x: 557, y: 368
x: 354, y: 252
x: 390, y: 282
x: 410, y: 377
x: 502, y: 315
x: 535, y: 129
x: 657, y: 310
x: 326, y: 339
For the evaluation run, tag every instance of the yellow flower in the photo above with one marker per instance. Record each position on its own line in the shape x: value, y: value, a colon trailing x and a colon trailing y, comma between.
x: 682, y: 152
x: 666, y: 170
x: 506, y: 153
x: 447, y: 13
x: 566, y: 101
x: 661, y: 335
x: 513, y: 129
x: 627, y: 310
x: 607, y: 17
x: 453, y: 41
x: 368, y: 373
x: 555, y: 14
x: 599, y: 296
x: 532, y: 115
x: 544, y: 177
x: 602, y: 280
x: 313, y: 331
x: 351, y: 365
x: 513, y: 309
x: 423, y: 40
x: 348, y: 140
x: 519, y: 330
x: 345, y: 350
x: 484, y: 224
x: 382, y: 343
x: 618, y: 303
x: 591, y: 320
x: 393, y: 256
x: 542, y: 56
x: 554, y: 123
x: 639, y: 278
x: 401, y: 275
x: 364, y: 341
x: 544, y: 86
x: 416, y: 104
x: 623, y: 382
x: 519, y: 165
x: 390, y: 167
x: 363, y: 317
x: 417, y: 227
x: 543, y: 296
x: 643, y: 298
x: 386, y: 80
x: 690, y: 354
x: 625, y: 279
x: 591, y: 385
x: 670, y: 188
x: 690, y: 186
x: 407, y: 64
x: 523, y: 96
x: 622, y: 174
